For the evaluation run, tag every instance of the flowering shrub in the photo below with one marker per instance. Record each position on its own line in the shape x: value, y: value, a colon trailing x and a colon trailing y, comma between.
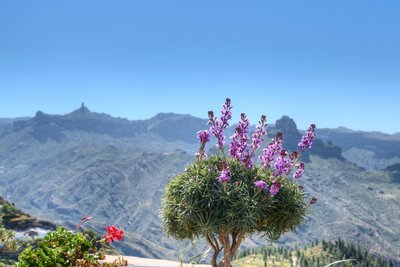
x: 226, y: 197
x: 65, y: 248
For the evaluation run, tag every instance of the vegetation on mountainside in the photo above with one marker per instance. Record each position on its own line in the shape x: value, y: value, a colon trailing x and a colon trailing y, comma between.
x: 317, y: 255
x: 15, y: 219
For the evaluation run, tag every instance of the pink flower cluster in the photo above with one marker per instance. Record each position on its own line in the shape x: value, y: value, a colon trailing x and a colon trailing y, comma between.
x: 238, y: 145
x: 300, y: 169
x: 225, y: 175
x: 258, y: 134
x: 218, y: 125
x: 273, y: 156
x: 269, y: 153
x: 204, y: 137
x: 306, y: 140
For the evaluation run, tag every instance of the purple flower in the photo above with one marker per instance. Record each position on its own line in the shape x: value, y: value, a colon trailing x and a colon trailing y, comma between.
x: 218, y: 126
x: 226, y: 113
x: 247, y: 157
x: 203, y: 136
x: 300, y: 169
x: 312, y: 201
x: 200, y: 155
x: 282, y: 164
x: 238, y: 145
x: 274, y: 189
x: 261, y: 184
x: 258, y: 133
x: 211, y: 119
x: 294, y: 155
x: 215, y: 129
x: 307, y: 138
x: 270, y: 152
x: 225, y: 175
x: 248, y: 163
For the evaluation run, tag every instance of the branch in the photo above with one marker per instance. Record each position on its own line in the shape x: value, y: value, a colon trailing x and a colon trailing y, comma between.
x: 215, y: 247
x: 217, y: 244
x: 234, y: 236
x: 236, y: 244
x: 224, y: 241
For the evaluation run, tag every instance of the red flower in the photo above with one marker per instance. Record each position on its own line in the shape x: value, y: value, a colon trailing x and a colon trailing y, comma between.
x: 113, y: 233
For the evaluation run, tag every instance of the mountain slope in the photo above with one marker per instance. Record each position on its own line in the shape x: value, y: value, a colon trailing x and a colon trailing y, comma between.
x: 358, y: 206
x: 115, y: 186
x: 370, y: 150
x: 62, y: 166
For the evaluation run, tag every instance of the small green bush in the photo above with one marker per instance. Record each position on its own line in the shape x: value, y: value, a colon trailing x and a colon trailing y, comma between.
x: 197, y: 205
x: 65, y: 248
x: 59, y: 248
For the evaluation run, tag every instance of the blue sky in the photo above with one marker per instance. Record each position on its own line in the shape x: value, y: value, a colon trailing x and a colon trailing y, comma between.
x: 333, y: 63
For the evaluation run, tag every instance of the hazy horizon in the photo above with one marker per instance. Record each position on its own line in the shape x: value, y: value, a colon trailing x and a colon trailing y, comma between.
x: 234, y: 120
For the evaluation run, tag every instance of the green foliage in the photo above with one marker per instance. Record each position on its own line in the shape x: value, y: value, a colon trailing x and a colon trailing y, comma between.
x: 8, y: 209
x: 59, y: 248
x: 14, y: 218
x: 196, y: 204
x: 321, y: 254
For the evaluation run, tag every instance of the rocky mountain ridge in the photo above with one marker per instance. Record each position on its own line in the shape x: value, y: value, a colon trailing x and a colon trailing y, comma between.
x: 370, y: 150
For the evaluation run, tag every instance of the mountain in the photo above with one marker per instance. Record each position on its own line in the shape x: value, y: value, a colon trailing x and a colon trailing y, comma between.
x: 370, y: 150
x: 46, y: 126
x: 60, y: 167
x: 291, y: 137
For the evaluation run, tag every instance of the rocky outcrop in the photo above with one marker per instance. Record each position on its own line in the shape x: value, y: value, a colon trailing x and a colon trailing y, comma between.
x: 292, y: 136
x: 394, y: 172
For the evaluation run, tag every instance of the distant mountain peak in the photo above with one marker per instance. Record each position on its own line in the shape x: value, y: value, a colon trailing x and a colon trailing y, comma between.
x: 40, y: 118
x: 83, y: 108
x: 344, y: 129
x: 83, y: 111
x: 171, y: 116
x: 286, y: 125
x: 39, y: 114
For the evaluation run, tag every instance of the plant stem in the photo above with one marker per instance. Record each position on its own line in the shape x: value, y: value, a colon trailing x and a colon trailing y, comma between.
x: 224, y: 239
x: 215, y: 248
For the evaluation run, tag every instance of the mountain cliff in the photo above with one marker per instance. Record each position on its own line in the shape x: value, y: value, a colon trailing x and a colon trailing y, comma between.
x: 291, y: 137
